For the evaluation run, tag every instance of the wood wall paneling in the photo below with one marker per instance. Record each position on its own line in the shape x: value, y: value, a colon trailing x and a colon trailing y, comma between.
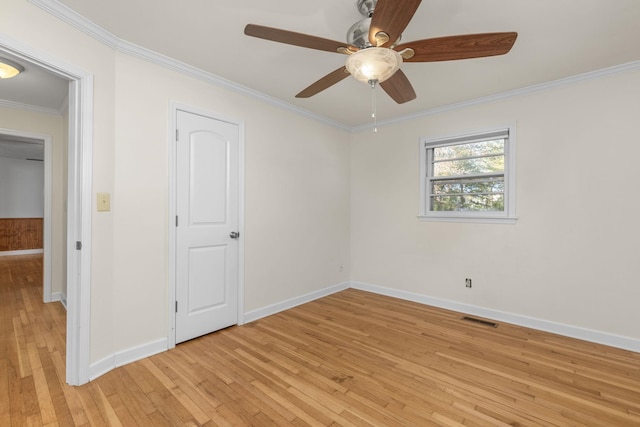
x: 18, y: 234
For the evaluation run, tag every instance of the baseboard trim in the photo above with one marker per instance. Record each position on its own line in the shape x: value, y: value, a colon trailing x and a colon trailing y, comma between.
x: 22, y: 252
x: 61, y: 297
x: 121, y: 358
x: 294, y: 302
x: 124, y: 357
x: 612, y: 340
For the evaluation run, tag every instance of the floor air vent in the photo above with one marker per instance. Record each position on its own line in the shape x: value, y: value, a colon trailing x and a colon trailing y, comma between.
x: 480, y: 321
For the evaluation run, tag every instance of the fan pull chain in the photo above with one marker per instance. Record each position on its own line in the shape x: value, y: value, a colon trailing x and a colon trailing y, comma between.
x: 374, y: 114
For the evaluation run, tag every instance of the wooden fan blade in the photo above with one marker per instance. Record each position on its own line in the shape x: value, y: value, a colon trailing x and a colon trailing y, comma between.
x: 296, y: 39
x: 460, y: 47
x: 324, y: 83
x: 391, y: 17
x: 399, y: 88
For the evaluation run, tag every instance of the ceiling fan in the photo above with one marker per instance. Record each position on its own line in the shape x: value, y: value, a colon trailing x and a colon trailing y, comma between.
x: 375, y: 53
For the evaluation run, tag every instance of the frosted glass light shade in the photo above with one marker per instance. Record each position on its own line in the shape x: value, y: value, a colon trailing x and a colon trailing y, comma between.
x: 373, y: 63
x: 9, y: 69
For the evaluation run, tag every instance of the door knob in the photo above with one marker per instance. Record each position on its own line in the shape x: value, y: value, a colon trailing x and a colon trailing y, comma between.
x: 234, y: 234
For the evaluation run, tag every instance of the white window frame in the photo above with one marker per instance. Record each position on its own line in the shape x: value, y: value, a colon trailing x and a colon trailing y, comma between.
x: 508, y: 216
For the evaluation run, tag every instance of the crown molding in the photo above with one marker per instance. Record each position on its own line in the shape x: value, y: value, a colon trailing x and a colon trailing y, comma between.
x: 88, y: 27
x: 592, y: 75
x: 27, y: 107
x: 73, y: 18
x: 140, y: 52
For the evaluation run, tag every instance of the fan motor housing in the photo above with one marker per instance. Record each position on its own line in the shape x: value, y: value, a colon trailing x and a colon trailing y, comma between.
x: 358, y: 34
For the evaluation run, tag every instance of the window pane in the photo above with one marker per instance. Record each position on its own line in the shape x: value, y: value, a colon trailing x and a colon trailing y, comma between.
x: 466, y: 186
x: 469, y: 166
x: 473, y: 149
x: 478, y: 202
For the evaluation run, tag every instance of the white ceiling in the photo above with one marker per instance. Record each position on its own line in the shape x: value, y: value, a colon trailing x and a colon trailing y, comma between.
x: 557, y: 39
x: 35, y: 87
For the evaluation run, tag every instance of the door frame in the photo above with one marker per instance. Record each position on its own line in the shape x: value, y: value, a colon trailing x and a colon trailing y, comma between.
x: 46, y: 229
x: 174, y: 107
x: 80, y: 172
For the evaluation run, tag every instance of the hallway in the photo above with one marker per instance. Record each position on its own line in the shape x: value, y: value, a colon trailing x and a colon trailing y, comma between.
x: 32, y: 353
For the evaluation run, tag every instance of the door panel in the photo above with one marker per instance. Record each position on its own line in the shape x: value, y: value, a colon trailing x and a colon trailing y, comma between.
x: 207, y: 275
x: 208, y: 178
x: 207, y: 185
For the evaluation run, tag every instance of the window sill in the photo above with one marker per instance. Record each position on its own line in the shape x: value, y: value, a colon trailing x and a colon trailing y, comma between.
x: 475, y: 219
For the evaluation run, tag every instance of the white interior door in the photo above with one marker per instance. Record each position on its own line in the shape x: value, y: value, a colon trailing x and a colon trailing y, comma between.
x: 207, y: 187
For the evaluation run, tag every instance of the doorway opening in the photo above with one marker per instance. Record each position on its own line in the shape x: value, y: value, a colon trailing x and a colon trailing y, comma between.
x: 27, y: 171
x: 78, y: 206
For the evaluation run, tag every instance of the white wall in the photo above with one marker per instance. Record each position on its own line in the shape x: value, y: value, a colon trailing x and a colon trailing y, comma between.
x: 21, y: 188
x: 571, y: 257
x: 297, y: 186
x: 297, y: 197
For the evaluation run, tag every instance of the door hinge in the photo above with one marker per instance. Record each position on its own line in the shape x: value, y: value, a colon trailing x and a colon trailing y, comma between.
x: 177, y: 134
x: 176, y: 306
x: 176, y: 220
x: 78, y: 245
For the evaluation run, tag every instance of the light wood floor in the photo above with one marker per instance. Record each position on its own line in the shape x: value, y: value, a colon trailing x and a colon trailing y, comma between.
x: 352, y: 358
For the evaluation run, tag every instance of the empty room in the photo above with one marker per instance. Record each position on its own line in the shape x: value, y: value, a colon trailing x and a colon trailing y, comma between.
x: 356, y: 212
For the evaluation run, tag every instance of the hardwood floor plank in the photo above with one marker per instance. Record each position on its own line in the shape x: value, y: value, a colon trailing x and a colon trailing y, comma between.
x: 292, y: 411
x: 106, y: 412
x: 122, y: 414
x: 5, y: 410
x: 80, y: 413
x: 21, y: 348
x: 47, y: 413
x: 169, y: 409
x: 127, y: 390
x: 16, y: 398
x: 29, y: 399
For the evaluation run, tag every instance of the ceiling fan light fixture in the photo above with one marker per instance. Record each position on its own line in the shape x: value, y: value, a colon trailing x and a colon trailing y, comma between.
x: 9, y: 68
x: 374, y: 63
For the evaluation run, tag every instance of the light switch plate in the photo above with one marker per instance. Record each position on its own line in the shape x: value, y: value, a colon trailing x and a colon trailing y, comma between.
x: 104, y: 202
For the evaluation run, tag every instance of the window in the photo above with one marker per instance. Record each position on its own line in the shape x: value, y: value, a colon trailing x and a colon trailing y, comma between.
x: 469, y: 178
